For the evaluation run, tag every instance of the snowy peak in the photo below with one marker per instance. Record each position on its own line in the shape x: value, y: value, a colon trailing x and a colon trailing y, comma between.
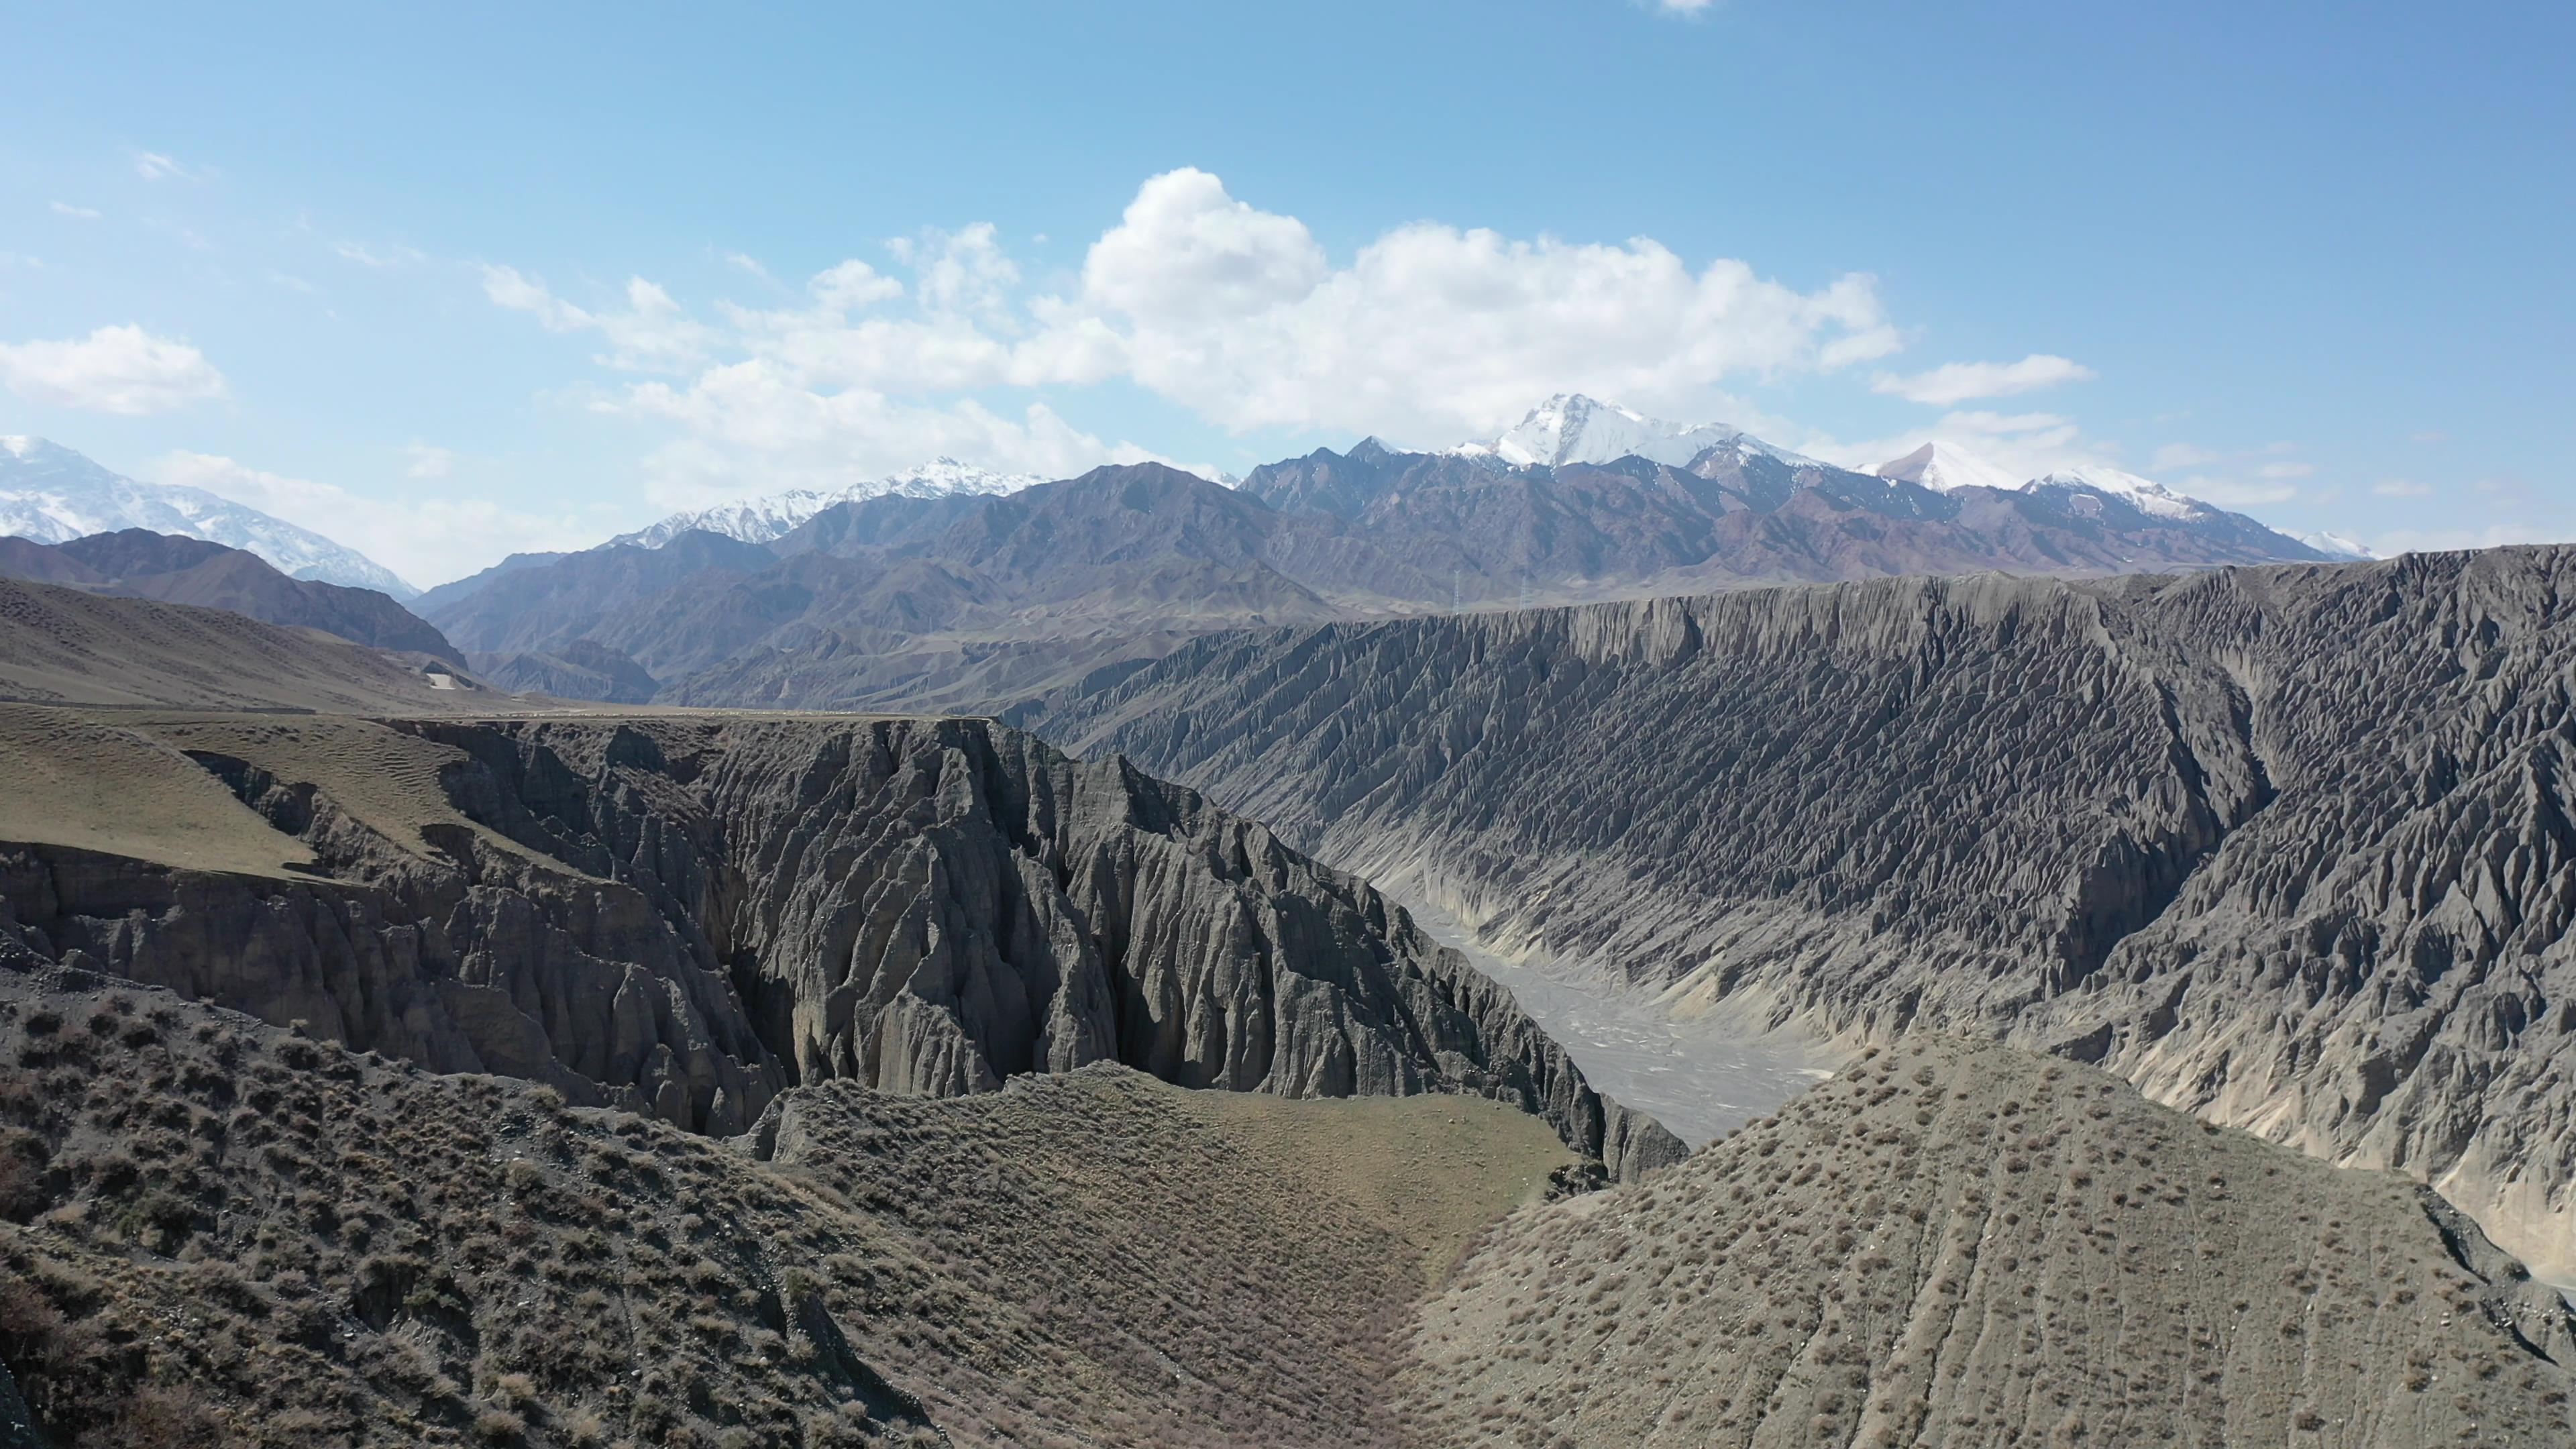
x: 1943, y: 466
x: 1572, y: 428
x: 2336, y: 546
x: 764, y: 519
x: 51, y: 494
x: 2144, y: 494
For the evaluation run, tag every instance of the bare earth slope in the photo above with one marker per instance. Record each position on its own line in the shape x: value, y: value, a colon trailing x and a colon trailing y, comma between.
x: 2290, y: 847
x: 214, y: 1232
x: 1956, y: 1246
x: 684, y: 915
x: 67, y: 646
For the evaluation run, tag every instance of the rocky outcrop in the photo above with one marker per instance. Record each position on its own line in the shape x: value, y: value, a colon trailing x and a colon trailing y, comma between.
x: 1973, y: 1246
x: 685, y: 915
x: 2289, y: 847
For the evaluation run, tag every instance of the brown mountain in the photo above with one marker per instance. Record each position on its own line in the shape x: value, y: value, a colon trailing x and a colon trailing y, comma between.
x: 138, y: 563
x: 976, y: 601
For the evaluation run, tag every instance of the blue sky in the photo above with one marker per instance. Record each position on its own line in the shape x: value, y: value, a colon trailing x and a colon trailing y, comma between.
x: 460, y: 281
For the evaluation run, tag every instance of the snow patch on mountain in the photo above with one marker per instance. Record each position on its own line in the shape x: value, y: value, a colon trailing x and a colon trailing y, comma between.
x: 1943, y: 466
x: 2336, y: 546
x: 51, y: 494
x: 760, y: 520
x: 1572, y: 428
x: 2144, y: 494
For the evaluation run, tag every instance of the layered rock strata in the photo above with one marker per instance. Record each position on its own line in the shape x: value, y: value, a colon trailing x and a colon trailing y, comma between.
x: 2290, y: 847
x: 682, y: 916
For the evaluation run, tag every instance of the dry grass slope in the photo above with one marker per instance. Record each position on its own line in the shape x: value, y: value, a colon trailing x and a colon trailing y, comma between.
x: 1969, y: 1246
x: 217, y: 1232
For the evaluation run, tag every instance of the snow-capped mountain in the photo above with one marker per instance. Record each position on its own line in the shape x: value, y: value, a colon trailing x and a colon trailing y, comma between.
x: 52, y: 495
x: 2336, y: 546
x: 2144, y: 494
x: 759, y: 520
x: 1943, y: 466
x: 1572, y: 428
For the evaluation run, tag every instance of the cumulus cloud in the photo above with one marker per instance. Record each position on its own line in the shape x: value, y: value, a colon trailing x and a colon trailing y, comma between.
x: 1434, y: 333
x: 754, y: 421
x: 1958, y: 382
x: 650, y: 333
x: 1427, y: 335
x: 123, y: 370
x: 427, y: 540
x: 76, y: 213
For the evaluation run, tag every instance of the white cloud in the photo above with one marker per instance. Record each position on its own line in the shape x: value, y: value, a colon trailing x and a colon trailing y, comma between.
x: 1683, y: 7
x: 2413, y: 540
x: 651, y: 333
x: 2232, y: 493
x: 2285, y: 470
x: 2401, y: 488
x: 380, y: 258
x: 748, y: 264
x: 123, y: 370
x: 753, y: 424
x: 428, y: 461
x: 157, y: 166
x: 76, y: 213
x: 1430, y: 334
x: 427, y: 541
x: 1433, y: 333
x: 1958, y: 382
x: 293, y: 283
x: 2182, y: 455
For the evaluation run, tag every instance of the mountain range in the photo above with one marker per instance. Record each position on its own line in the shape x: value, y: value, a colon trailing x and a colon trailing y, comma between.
x: 50, y: 494
x: 138, y: 563
x: 923, y: 595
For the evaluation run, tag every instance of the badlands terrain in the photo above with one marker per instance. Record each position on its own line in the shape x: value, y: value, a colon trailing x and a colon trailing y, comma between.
x: 392, y: 1052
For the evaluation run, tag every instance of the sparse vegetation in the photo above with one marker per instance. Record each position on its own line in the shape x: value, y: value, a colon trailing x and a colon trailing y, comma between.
x: 227, y: 1233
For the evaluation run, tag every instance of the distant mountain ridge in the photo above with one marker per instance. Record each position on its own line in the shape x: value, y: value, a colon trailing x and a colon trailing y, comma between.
x: 50, y: 494
x: 774, y: 516
x: 137, y: 563
x: 965, y: 601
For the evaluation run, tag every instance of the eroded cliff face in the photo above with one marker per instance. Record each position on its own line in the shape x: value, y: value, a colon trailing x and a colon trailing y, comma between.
x: 683, y: 916
x: 2289, y: 847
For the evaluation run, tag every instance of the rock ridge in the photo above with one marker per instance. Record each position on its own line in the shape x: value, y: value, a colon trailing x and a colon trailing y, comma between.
x: 2287, y: 846
x: 685, y: 916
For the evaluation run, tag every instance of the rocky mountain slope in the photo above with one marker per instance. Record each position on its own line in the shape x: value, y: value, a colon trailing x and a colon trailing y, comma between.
x: 50, y: 494
x: 2288, y: 847
x: 683, y: 916
x: 214, y: 1231
x: 138, y: 563
x: 1961, y: 1247
x: 961, y: 601
x: 72, y: 646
